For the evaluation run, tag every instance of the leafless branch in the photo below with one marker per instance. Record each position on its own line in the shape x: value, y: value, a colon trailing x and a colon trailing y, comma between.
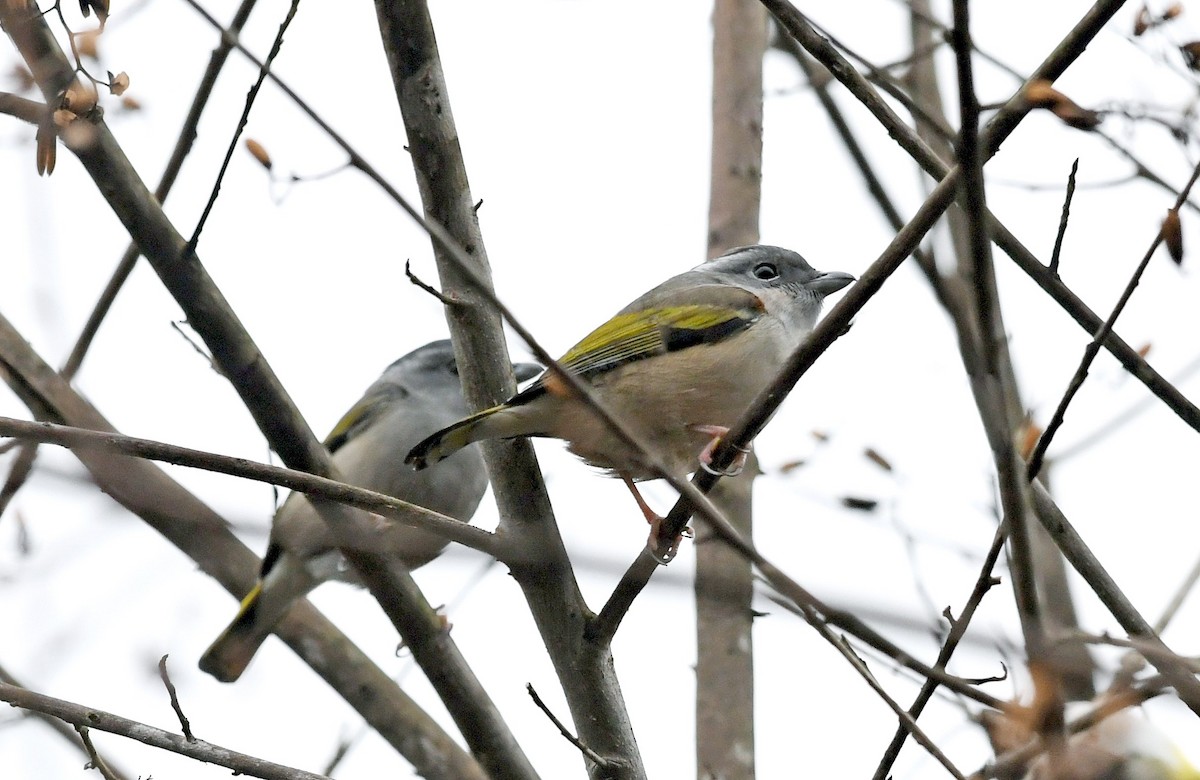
x: 312, y: 485
x: 590, y: 754
x: 90, y: 718
x: 183, y: 721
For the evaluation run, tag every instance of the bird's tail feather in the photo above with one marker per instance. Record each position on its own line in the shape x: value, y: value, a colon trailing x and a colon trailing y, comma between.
x: 228, y: 656
x: 286, y: 578
x: 448, y: 441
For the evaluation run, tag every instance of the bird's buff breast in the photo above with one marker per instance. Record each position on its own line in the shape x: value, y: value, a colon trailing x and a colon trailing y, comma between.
x: 664, y: 398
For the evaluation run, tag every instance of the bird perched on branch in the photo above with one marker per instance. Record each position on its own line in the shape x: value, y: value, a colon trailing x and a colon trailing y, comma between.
x: 679, y: 365
x: 419, y: 391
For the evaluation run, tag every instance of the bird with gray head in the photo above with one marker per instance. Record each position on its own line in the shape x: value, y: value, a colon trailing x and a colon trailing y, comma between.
x: 418, y: 392
x: 679, y: 365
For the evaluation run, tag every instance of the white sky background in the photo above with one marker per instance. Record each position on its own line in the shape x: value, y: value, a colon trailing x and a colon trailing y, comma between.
x: 585, y: 128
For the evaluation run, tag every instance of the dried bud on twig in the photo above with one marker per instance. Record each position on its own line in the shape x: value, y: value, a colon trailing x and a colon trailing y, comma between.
x: 859, y: 504
x: 1041, y: 94
x: 119, y: 83
x: 1191, y: 54
x: 1027, y: 437
x: 260, y: 152
x: 1143, y: 21
x: 1146, y: 21
x: 872, y: 454
x: 1172, y: 233
x: 80, y: 97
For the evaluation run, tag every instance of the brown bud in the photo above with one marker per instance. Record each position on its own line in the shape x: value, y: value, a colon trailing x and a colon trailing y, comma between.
x: 1144, y: 350
x: 260, y: 152
x: 64, y: 117
x: 820, y: 435
x: 130, y: 103
x: 119, y: 83
x: 1028, y: 436
x: 1176, y: 9
x: 1191, y: 54
x: 871, y: 454
x: 80, y: 97
x: 859, y: 504
x: 1075, y: 116
x: 1143, y: 21
x: 1172, y: 234
x: 1041, y: 94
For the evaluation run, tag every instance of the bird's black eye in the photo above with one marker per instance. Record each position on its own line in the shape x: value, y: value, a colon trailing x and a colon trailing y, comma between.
x: 452, y: 367
x: 766, y: 272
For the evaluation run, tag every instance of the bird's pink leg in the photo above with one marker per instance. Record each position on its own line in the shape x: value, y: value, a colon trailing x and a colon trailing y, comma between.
x: 655, y: 520
x: 706, y: 454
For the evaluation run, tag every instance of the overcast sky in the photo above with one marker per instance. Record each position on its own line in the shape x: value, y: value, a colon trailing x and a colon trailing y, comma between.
x: 585, y: 128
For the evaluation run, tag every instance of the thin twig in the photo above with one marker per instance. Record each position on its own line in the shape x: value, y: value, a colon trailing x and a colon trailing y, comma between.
x: 309, y: 484
x: 183, y: 721
x: 1119, y: 420
x: 1093, y: 348
x: 958, y: 629
x: 276, y: 45
x: 856, y: 662
x: 1062, y: 222
x: 59, y: 726
x: 1084, y: 561
x: 591, y: 755
x: 421, y: 283
x: 94, y: 759
x: 183, y: 146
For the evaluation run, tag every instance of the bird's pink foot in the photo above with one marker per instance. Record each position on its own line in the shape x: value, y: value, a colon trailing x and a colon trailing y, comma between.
x: 717, y: 432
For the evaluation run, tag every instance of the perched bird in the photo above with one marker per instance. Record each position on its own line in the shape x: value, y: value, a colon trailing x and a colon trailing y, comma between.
x: 419, y: 391
x: 679, y: 365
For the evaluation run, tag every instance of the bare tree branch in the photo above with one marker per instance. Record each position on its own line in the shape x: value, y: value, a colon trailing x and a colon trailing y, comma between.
x: 88, y: 717
x: 67, y: 733
x: 322, y: 487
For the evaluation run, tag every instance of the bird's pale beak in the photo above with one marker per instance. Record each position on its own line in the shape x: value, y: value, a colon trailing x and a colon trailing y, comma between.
x: 830, y: 282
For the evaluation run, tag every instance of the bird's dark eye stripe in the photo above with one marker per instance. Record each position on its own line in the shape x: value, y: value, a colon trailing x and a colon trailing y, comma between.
x: 766, y: 271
